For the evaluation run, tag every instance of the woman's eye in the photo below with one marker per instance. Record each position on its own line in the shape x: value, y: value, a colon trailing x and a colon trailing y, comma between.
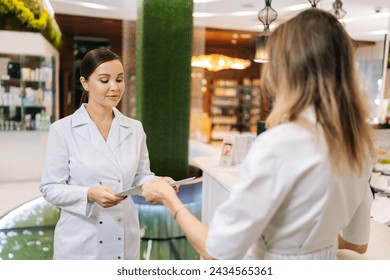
x: 119, y: 80
x: 104, y: 81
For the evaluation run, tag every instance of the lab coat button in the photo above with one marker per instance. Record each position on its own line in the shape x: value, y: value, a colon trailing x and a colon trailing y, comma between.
x: 100, y: 183
x: 119, y: 238
x: 119, y: 180
x: 119, y: 219
x: 119, y: 257
x: 101, y: 241
x: 100, y: 222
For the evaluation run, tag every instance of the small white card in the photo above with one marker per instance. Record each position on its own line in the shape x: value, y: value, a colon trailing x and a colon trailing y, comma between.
x: 138, y: 189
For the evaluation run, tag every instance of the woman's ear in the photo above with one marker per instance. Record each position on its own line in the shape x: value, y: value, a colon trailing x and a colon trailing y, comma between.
x: 84, y: 83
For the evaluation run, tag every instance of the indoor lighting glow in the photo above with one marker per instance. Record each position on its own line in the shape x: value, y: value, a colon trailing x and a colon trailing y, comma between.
x: 217, y: 62
x: 235, y: 14
x: 296, y: 8
x: 89, y: 5
x: 94, y: 6
x: 377, y: 32
x: 204, y: 15
x: 242, y: 14
x: 373, y: 16
x: 206, y: 1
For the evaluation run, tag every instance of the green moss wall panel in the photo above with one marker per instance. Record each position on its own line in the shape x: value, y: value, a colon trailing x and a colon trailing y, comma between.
x: 163, y: 77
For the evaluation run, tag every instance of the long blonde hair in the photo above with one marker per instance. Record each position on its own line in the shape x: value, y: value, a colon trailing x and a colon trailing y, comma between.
x: 312, y: 64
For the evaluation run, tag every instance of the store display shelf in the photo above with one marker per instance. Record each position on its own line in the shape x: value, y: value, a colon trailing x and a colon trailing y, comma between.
x: 234, y: 106
x: 24, y: 105
x: 28, y: 82
x: 225, y: 96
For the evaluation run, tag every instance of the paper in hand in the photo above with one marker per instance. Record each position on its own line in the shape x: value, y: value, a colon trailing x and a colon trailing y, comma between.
x: 138, y: 189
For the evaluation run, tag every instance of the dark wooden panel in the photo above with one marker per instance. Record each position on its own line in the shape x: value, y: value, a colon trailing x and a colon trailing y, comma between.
x: 89, y: 26
x: 79, y: 26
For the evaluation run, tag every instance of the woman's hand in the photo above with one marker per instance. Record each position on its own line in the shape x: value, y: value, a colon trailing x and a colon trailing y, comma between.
x: 158, y: 191
x: 170, y: 180
x: 104, y: 196
x: 167, y: 179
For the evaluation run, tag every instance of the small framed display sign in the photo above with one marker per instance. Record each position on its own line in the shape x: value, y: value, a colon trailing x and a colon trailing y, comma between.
x: 227, y: 152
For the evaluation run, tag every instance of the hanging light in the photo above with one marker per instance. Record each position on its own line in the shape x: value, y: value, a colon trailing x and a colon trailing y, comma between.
x: 217, y: 62
x: 257, y: 44
x: 314, y: 3
x: 338, y: 10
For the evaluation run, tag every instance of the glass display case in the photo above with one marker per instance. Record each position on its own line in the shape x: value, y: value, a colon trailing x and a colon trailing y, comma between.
x: 28, y: 82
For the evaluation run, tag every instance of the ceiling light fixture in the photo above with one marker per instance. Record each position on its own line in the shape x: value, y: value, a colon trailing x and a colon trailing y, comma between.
x: 217, y: 62
x: 338, y: 10
x: 257, y: 45
x: 314, y: 3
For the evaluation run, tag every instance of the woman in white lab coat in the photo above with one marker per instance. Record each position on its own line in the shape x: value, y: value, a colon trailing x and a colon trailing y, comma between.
x: 303, y: 188
x: 90, y: 156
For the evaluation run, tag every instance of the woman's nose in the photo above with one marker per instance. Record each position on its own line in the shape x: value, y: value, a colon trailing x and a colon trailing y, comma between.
x: 114, y: 86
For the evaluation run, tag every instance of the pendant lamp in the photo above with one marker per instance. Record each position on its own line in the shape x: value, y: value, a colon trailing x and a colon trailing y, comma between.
x: 338, y: 10
x: 314, y: 3
x: 257, y: 44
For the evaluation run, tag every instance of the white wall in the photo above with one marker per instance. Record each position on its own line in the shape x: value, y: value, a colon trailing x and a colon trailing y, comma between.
x: 21, y: 162
x: 21, y: 155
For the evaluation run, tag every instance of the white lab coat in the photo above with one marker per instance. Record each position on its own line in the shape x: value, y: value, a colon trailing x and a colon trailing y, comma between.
x: 288, y: 203
x: 77, y: 157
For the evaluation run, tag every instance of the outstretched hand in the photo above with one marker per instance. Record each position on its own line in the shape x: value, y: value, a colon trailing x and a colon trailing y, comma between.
x: 104, y: 196
x: 158, y: 191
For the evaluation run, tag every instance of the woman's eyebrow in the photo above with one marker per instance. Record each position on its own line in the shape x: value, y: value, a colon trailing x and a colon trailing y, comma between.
x: 104, y: 74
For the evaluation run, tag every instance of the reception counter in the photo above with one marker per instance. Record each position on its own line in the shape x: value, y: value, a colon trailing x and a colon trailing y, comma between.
x: 219, y: 181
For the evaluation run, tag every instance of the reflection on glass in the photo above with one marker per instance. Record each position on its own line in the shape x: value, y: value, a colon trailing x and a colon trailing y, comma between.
x: 26, y: 233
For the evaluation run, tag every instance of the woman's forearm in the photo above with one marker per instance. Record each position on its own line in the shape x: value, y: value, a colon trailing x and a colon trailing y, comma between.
x: 194, y: 230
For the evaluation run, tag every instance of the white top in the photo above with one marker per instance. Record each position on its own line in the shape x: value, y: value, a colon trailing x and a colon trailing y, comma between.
x: 288, y: 204
x: 77, y: 157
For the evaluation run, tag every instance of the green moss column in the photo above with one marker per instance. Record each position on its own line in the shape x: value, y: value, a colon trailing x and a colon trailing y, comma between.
x: 163, y: 77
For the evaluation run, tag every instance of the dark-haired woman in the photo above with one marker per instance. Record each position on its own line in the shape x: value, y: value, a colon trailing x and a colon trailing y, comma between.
x: 90, y: 156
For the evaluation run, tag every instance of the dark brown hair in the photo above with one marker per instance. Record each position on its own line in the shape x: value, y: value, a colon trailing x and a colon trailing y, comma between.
x: 91, y: 61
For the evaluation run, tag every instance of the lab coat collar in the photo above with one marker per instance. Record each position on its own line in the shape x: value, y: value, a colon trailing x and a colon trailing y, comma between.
x: 81, y: 117
x: 125, y: 130
x: 122, y: 120
x: 80, y: 121
x: 86, y: 128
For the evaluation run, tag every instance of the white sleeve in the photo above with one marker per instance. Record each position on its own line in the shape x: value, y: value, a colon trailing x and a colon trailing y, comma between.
x: 54, y: 182
x: 239, y: 221
x: 143, y: 174
x: 358, y: 230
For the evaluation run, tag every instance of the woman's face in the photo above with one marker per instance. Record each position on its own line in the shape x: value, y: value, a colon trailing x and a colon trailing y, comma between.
x: 105, y: 85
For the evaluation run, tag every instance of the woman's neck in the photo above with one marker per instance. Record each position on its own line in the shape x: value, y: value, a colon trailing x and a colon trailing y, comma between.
x: 100, y: 114
x: 279, y: 112
x: 102, y: 118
